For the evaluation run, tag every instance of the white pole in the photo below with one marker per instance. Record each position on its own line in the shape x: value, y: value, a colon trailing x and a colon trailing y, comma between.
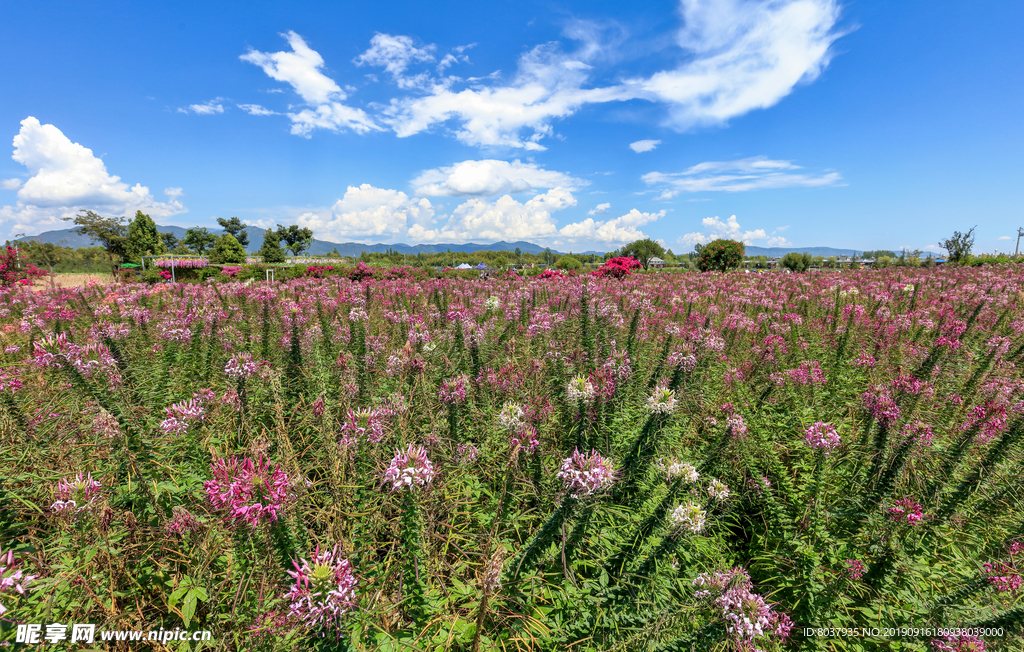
x: 173, y: 277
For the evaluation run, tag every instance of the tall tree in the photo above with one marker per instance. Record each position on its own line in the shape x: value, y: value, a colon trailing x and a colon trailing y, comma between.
x: 227, y: 250
x: 143, y: 238
x: 643, y: 250
x: 720, y: 255
x: 198, y: 239
x: 170, y: 240
x: 271, y: 250
x: 959, y: 246
x: 110, y: 232
x: 236, y: 228
x: 295, y: 239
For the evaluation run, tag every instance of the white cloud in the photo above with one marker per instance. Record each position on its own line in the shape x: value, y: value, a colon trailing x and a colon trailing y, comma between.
x: 301, y: 69
x: 644, y: 145
x: 256, y: 109
x: 207, y: 108
x: 454, y: 57
x: 600, y: 209
x: 503, y: 219
x: 174, y: 193
x: 755, y: 173
x: 10, y: 184
x: 715, y: 228
x: 367, y: 211
x: 739, y: 55
x: 66, y: 178
x: 394, y: 54
x: 616, y: 231
x: 490, y: 177
x: 1004, y: 237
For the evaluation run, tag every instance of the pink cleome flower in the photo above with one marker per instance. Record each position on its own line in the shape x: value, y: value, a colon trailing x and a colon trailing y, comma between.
x: 823, y: 436
x: 324, y: 589
x: 906, y: 510
x: 958, y: 643
x: 241, y: 366
x: 453, y: 392
x: 583, y: 475
x: 76, y: 494
x: 248, y: 490
x: 12, y: 578
x: 409, y: 469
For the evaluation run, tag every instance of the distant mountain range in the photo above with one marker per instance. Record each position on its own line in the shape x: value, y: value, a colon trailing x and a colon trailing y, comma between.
x: 68, y: 238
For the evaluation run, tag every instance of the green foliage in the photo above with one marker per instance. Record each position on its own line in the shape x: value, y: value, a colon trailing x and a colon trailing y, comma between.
x: 569, y: 263
x: 110, y: 232
x: 295, y: 238
x: 236, y: 228
x: 143, y: 239
x: 227, y: 250
x: 959, y: 246
x: 271, y: 250
x: 198, y: 240
x: 720, y: 255
x: 796, y: 262
x: 643, y: 250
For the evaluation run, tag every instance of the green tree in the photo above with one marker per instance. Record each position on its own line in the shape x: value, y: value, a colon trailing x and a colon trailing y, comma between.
x: 236, y: 228
x: 720, y: 255
x: 878, y: 253
x: 295, y: 239
x: 643, y: 250
x: 170, y: 240
x: 271, y: 249
x: 45, y: 254
x: 228, y: 250
x: 796, y: 262
x: 198, y: 240
x: 143, y: 238
x: 569, y: 263
x: 959, y: 246
x: 110, y: 232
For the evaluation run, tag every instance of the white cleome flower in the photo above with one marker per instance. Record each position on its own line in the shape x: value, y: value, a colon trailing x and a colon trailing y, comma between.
x: 688, y: 517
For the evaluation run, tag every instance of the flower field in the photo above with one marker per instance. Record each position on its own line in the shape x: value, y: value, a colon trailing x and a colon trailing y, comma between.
x: 635, y: 462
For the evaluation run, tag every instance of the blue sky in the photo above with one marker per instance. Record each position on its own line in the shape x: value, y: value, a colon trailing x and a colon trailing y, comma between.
x: 579, y: 125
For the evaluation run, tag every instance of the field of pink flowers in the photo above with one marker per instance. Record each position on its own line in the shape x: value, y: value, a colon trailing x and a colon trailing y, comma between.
x: 638, y: 462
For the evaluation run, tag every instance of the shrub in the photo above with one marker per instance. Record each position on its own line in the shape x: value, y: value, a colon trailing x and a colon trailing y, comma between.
x: 617, y: 267
x: 569, y: 264
x: 720, y: 255
x: 271, y: 249
x: 796, y: 262
x: 227, y: 250
x: 12, y: 273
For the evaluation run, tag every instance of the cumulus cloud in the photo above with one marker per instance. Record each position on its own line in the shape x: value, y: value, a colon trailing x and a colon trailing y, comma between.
x: 66, y: 178
x: 394, y: 54
x: 256, y: 109
x: 754, y: 173
x: 600, y: 209
x: 715, y: 228
x: 301, y: 69
x: 490, y: 177
x: 644, y: 145
x: 615, y: 231
x: 501, y: 219
x: 208, y: 108
x: 1004, y: 237
x: 10, y: 184
x: 366, y: 211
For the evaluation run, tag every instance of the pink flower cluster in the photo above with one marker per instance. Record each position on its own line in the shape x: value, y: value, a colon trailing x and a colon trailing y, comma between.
x: 906, y: 510
x: 823, y: 437
x: 453, y: 392
x: 808, y: 373
x: 881, y: 405
x: 76, y: 494
x: 247, y: 490
x: 367, y: 424
x: 324, y: 589
x: 182, y: 415
x: 241, y: 366
x: 410, y: 469
x: 1005, y: 576
x: 617, y: 267
x: 525, y: 438
x: 230, y: 270
x: 584, y: 475
x: 12, y: 578
x: 182, y: 522
x: 856, y: 569
x: 182, y: 263
x: 958, y: 643
x: 746, y: 613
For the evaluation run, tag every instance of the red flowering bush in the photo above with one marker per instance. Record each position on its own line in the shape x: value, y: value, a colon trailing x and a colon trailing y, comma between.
x: 617, y: 267
x: 552, y: 273
x: 318, y: 271
x: 11, y: 273
x: 362, y: 272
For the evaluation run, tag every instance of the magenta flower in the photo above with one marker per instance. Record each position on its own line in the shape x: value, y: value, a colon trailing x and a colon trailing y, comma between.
x: 823, y: 437
x: 12, y: 578
x: 363, y: 424
x: 241, y: 366
x: 409, y: 469
x: 77, y: 494
x: 746, y: 613
x: 855, y: 569
x: 247, y: 490
x: 182, y: 522
x: 453, y: 392
x: 324, y: 589
x: 525, y: 437
x: 906, y: 510
x: 583, y: 475
x: 958, y: 643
